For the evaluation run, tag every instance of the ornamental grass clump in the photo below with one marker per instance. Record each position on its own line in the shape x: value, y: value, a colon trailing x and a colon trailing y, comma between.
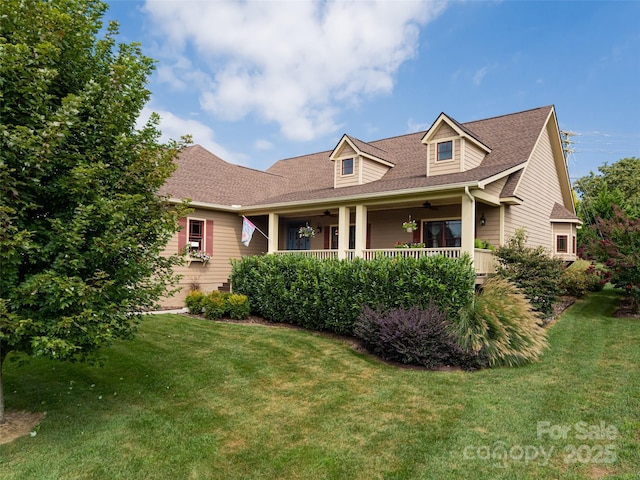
x: 502, y: 323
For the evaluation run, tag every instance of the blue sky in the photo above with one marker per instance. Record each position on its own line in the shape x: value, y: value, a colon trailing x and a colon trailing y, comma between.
x: 255, y: 82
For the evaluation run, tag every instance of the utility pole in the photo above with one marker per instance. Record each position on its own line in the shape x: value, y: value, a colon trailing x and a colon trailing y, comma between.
x: 565, y: 138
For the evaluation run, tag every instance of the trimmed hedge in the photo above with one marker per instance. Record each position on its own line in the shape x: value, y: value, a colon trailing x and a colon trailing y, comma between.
x: 330, y: 294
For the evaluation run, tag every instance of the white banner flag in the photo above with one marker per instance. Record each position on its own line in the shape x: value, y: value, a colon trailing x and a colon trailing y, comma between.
x: 247, y: 231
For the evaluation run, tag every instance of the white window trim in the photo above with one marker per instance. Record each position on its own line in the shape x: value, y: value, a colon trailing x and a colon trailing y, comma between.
x: 453, y: 149
x: 204, y: 232
x: 353, y: 167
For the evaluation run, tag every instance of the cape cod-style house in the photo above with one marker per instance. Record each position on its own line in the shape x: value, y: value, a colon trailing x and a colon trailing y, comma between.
x: 455, y: 183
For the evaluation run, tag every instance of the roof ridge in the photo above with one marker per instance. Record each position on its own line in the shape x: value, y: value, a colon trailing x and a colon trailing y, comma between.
x: 234, y: 164
x: 366, y: 143
x: 509, y: 114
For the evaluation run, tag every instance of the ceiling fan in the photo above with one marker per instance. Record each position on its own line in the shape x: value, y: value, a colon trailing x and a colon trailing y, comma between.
x: 428, y: 205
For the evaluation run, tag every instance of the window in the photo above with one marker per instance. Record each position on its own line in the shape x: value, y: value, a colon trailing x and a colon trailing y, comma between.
x: 352, y: 237
x: 445, y: 150
x: 347, y: 166
x: 196, y: 234
x: 442, y: 233
x: 562, y: 244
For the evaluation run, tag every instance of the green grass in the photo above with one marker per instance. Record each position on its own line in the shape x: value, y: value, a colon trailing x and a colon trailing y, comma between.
x: 193, y: 399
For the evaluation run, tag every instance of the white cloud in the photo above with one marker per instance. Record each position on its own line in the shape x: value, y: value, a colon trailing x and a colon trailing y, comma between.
x: 479, y: 75
x: 295, y: 63
x: 413, y: 126
x: 261, y: 144
x: 174, y: 127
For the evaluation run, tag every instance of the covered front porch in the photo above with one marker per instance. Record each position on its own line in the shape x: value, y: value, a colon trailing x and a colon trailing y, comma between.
x: 445, y: 224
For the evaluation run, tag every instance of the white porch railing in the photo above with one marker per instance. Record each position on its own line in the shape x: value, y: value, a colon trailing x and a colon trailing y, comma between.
x: 449, y: 252
x: 320, y: 254
x: 484, y: 260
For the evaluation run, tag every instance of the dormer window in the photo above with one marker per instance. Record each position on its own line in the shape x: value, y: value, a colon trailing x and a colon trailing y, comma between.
x: 445, y: 150
x: 347, y: 166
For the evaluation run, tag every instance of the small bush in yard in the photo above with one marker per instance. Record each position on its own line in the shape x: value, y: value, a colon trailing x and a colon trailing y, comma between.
x: 215, y: 305
x: 579, y: 279
x: 412, y: 336
x: 238, y: 306
x: 533, y: 270
x: 502, y: 323
x: 195, y: 302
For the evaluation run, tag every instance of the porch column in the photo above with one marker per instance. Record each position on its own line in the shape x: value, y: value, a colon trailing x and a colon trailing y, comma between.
x: 344, y: 214
x: 274, y: 222
x: 502, y: 207
x: 361, y: 230
x: 468, y: 222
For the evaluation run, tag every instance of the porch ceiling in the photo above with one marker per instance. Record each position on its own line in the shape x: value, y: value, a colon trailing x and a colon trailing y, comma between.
x: 374, y: 206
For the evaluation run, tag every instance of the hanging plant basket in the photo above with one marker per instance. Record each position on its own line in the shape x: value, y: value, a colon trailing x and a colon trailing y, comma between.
x: 306, y: 232
x: 410, y: 226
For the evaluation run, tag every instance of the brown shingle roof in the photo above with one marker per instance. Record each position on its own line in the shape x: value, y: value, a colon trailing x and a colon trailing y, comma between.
x: 204, y: 177
x: 370, y: 149
x: 509, y: 189
x: 559, y: 212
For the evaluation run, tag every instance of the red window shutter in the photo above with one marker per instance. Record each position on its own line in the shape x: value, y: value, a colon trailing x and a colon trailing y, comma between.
x: 368, y: 244
x: 182, y: 234
x: 208, y: 240
x: 327, y: 237
x: 416, y: 233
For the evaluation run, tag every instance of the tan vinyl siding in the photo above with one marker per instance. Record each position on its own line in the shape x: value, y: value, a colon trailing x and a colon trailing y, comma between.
x: 490, y: 231
x: 227, y: 232
x: 444, y: 131
x: 372, y: 170
x: 473, y: 155
x: 347, y: 180
x: 569, y: 230
x: 539, y: 189
x: 444, y: 167
x: 495, y: 188
x: 346, y: 151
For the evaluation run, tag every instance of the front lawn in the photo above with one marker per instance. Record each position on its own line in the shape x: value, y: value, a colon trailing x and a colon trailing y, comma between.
x: 196, y: 399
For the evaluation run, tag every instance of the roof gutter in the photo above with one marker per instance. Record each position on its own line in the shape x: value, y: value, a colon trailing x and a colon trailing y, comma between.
x: 208, y: 206
x: 367, y: 196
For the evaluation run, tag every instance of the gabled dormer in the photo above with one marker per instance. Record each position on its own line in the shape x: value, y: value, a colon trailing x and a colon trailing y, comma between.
x: 357, y: 162
x: 451, y: 148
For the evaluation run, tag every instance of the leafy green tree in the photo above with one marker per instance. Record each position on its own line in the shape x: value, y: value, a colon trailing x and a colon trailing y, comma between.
x: 617, y: 183
x: 81, y: 226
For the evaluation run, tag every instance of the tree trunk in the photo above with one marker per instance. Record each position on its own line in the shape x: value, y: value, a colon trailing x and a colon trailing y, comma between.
x: 2, y: 355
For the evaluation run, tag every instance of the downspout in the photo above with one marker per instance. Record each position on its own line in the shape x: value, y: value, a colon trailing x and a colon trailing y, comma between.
x: 471, y: 197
